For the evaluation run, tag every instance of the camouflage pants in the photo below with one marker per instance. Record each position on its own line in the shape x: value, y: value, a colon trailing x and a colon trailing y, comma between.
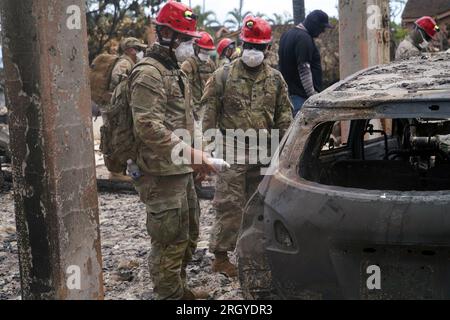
x: 173, y: 225
x: 234, y: 188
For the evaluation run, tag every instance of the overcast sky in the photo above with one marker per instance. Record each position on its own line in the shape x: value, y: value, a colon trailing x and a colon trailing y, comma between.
x: 268, y: 7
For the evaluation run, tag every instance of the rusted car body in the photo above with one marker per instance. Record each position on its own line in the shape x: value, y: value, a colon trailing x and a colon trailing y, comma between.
x: 338, y: 212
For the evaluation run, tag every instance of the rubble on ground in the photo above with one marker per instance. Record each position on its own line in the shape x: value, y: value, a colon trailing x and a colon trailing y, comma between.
x: 125, y: 247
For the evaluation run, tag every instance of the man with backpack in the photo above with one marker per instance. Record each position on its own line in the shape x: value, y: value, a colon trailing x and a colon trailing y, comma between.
x: 160, y: 103
x: 107, y: 71
x: 245, y: 95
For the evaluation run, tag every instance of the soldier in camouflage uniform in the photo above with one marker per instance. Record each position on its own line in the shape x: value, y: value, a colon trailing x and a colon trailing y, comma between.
x: 131, y: 49
x: 199, y: 68
x: 272, y: 57
x: 160, y: 102
x: 225, y: 49
x: 418, y: 39
x: 247, y: 94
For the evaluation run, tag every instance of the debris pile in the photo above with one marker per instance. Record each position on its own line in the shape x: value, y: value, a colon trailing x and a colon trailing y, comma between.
x: 125, y: 247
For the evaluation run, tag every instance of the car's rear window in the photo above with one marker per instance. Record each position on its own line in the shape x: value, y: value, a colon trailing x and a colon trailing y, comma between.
x: 380, y: 154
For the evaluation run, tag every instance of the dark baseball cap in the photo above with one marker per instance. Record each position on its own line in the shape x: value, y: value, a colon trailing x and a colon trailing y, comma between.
x: 320, y: 18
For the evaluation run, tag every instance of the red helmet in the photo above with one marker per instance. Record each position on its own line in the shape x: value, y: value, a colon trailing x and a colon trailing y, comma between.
x: 179, y: 18
x: 256, y: 30
x: 206, y: 41
x: 428, y: 25
x: 223, y: 44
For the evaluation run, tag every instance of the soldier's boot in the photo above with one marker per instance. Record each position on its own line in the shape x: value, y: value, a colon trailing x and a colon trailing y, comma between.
x: 222, y: 264
x: 114, y: 176
x: 195, y: 294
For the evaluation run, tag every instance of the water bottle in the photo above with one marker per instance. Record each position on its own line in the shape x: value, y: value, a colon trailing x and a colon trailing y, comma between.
x: 133, y: 170
x: 219, y: 164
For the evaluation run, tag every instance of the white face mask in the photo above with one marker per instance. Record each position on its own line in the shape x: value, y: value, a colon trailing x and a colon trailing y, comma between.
x: 425, y: 44
x: 252, y: 58
x: 184, y: 51
x: 204, y: 55
x: 139, y: 56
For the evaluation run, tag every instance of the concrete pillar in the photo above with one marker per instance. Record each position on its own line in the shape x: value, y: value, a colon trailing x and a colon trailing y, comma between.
x: 47, y: 90
x: 364, y: 38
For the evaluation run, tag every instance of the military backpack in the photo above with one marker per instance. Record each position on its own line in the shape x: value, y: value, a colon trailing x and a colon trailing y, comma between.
x: 118, y: 143
x: 100, y: 77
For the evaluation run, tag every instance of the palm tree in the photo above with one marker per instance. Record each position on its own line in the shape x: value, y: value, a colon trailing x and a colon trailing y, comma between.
x: 205, y: 19
x: 280, y: 19
x: 236, y: 16
x: 299, y: 10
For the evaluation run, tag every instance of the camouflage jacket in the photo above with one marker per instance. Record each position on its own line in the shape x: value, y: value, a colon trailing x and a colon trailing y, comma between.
x: 272, y: 59
x: 198, y: 73
x: 222, y: 61
x: 121, y: 69
x: 406, y: 49
x: 249, y: 100
x: 160, y: 100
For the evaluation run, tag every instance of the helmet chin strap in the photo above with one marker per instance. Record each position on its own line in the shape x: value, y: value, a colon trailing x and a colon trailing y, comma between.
x: 168, y: 43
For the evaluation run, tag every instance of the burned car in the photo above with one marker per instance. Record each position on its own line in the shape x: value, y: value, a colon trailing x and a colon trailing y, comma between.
x: 358, y: 206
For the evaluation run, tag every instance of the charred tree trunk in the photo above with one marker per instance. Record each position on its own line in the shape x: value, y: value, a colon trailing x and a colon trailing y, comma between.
x: 299, y: 10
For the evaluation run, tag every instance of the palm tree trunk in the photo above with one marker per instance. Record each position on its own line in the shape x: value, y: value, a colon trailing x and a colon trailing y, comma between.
x: 299, y: 10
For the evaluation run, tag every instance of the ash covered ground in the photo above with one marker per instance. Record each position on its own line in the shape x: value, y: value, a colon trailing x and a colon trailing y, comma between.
x: 125, y: 247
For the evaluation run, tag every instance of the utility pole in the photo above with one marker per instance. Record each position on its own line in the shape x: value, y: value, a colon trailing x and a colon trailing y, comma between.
x: 364, y: 35
x: 364, y: 38
x: 298, y: 11
x: 48, y: 96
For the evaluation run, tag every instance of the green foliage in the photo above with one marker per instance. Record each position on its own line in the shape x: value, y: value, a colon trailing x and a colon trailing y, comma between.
x: 205, y: 20
x: 109, y: 20
x: 398, y: 32
x: 280, y: 19
x: 236, y: 17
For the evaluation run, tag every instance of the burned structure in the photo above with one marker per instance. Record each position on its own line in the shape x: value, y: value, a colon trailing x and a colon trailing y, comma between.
x: 45, y: 60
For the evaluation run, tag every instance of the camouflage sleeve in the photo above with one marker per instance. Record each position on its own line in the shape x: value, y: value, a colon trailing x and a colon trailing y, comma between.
x: 122, y: 67
x: 284, y: 108
x: 187, y: 69
x: 210, y: 103
x: 148, y: 100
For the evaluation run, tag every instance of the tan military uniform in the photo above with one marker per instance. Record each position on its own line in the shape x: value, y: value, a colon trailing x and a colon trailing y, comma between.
x: 222, y: 61
x: 160, y: 102
x: 407, y: 49
x: 250, y: 100
x: 272, y: 57
x: 120, y: 71
x: 198, y: 73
